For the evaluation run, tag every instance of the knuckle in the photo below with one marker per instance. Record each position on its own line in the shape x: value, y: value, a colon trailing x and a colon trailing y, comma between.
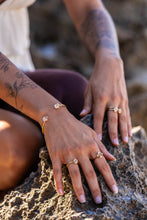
x: 102, y: 98
x: 113, y: 134
x: 115, y: 98
x: 123, y: 118
x: 93, y: 148
x: 78, y: 190
x: 75, y: 173
x: 99, y: 117
x: 90, y: 174
x: 113, y: 120
x: 95, y: 192
x: 106, y: 168
x: 56, y: 172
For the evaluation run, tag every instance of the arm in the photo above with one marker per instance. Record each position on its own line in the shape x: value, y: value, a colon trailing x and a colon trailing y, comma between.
x: 19, y: 91
x: 107, y: 84
x: 66, y: 137
x: 94, y: 25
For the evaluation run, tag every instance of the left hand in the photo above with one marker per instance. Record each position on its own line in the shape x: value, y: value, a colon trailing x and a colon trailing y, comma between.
x: 107, y: 88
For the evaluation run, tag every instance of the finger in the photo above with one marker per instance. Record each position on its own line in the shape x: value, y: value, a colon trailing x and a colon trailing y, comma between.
x: 99, y: 110
x: 105, y: 170
x: 91, y: 178
x: 113, y: 127
x: 57, y: 171
x: 129, y: 122
x: 87, y: 102
x: 76, y: 182
x: 105, y: 152
x: 123, y: 125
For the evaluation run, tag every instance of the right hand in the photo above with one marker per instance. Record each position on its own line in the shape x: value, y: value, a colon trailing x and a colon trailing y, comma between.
x: 67, y: 138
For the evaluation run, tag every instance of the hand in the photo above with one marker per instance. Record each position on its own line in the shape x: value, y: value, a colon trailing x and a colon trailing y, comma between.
x: 107, y: 88
x: 67, y: 138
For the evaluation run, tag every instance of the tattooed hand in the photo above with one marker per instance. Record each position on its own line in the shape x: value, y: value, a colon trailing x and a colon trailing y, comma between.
x: 107, y: 88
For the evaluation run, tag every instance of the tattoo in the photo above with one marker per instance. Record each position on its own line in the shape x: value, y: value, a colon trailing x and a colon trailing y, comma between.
x: 20, y: 83
x: 4, y: 63
x: 97, y: 32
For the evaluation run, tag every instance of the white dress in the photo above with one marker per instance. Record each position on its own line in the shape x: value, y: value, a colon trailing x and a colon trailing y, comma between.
x: 14, y: 32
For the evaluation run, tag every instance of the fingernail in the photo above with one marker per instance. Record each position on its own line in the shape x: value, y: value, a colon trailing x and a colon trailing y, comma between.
x: 60, y: 191
x: 115, y: 189
x: 130, y: 133
x: 100, y: 136
x: 112, y: 156
x: 98, y: 200
x: 83, y: 112
x: 82, y: 199
x: 115, y: 141
x: 126, y: 139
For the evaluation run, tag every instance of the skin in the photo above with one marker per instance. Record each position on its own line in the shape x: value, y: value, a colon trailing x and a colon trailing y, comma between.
x: 70, y: 138
x: 98, y: 33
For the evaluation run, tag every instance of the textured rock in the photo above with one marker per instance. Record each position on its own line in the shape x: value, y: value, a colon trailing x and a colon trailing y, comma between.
x: 37, y: 199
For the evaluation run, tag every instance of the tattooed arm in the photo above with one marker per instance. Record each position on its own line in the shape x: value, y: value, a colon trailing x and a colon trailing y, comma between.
x: 107, y: 84
x: 20, y: 91
x: 94, y: 24
x: 66, y: 137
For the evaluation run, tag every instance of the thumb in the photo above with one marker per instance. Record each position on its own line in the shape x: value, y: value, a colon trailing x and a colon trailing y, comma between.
x: 87, y: 103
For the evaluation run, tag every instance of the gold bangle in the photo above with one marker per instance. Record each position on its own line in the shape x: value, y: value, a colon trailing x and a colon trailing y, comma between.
x: 58, y: 105
x: 44, y: 119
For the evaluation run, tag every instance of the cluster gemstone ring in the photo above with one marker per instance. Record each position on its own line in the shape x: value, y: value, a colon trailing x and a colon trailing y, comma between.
x: 98, y: 155
x: 115, y: 109
x: 74, y: 161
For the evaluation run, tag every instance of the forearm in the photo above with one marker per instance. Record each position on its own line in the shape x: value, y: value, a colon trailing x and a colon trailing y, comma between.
x: 22, y: 93
x: 95, y: 26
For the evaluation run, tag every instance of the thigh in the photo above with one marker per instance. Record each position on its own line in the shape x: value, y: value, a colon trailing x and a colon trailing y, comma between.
x: 20, y: 140
x: 18, y: 131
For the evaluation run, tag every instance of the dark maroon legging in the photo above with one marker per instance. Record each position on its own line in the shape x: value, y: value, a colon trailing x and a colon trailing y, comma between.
x: 66, y: 86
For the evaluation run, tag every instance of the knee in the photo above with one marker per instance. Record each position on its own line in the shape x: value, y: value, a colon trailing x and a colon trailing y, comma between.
x: 77, y: 81
x: 16, y: 157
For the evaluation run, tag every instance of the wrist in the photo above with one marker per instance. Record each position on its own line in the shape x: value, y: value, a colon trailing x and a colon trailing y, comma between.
x: 105, y: 52
x: 51, y: 112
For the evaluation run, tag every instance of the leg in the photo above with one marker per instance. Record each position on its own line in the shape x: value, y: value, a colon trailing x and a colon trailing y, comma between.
x: 67, y: 86
x: 20, y: 140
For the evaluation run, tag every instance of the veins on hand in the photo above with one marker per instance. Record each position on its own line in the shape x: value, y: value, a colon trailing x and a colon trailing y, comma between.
x: 4, y: 63
x: 20, y: 83
x: 97, y: 32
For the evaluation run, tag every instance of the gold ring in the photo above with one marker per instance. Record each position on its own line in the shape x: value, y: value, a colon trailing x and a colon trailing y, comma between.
x: 115, y: 109
x: 74, y: 161
x: 99, y: 155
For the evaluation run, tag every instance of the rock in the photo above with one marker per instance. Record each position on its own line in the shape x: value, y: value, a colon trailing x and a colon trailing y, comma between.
x: 37, y: 199
x: 138, y: 108
x: 137, y: 91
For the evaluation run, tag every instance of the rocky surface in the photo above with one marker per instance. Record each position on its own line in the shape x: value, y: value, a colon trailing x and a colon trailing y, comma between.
x: 37, y: 199
x: 55, y: 44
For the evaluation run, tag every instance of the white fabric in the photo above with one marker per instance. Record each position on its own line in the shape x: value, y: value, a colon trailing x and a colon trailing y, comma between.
x: 14, y: 32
